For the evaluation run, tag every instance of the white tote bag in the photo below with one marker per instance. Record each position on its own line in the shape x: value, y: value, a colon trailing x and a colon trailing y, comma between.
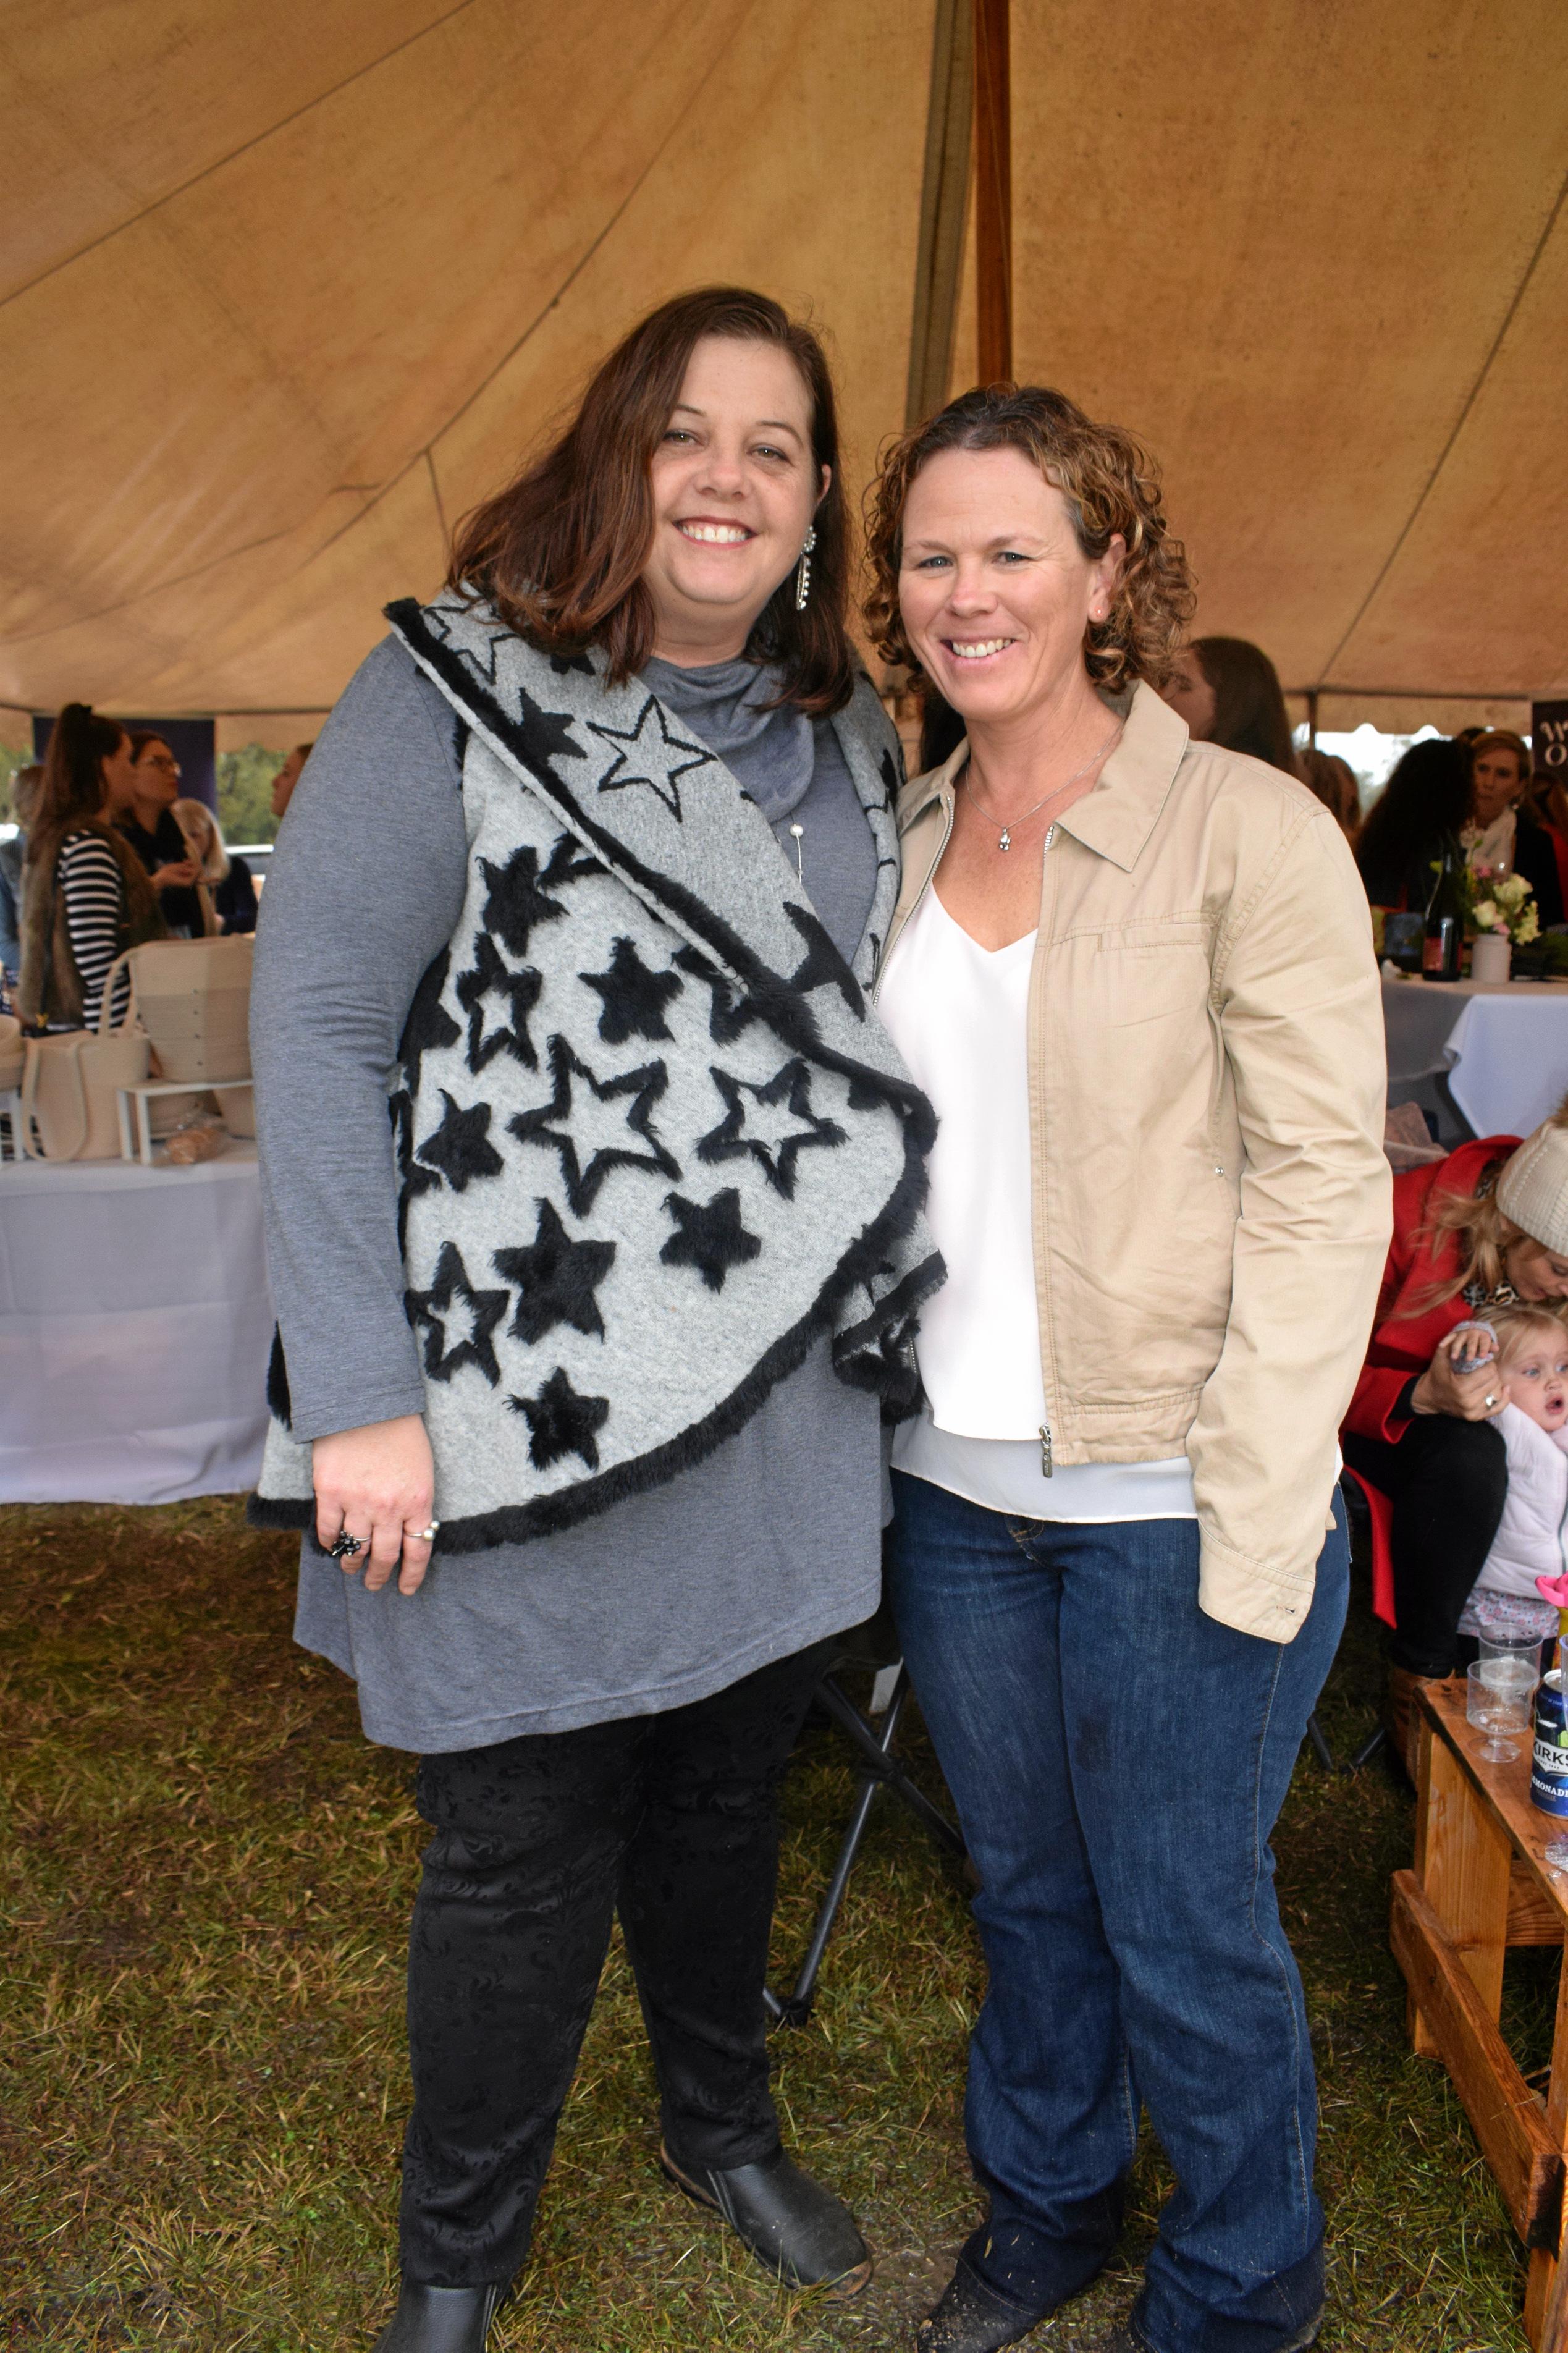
x: 68, y: 1084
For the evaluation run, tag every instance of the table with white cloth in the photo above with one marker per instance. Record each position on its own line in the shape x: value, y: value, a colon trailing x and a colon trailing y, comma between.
x: 1488, y: 1059
x: 135, y: 1323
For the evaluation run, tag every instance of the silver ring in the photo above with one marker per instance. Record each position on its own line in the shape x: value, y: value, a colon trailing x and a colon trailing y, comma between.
x: 1490, y: 1403
x: 343, y: 1546
x: 423, y: 1535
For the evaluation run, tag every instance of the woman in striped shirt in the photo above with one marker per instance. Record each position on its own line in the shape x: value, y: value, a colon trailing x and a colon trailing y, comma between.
x: 85, y: 893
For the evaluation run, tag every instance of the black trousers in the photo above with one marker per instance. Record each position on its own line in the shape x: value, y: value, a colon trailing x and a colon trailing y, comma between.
x: 670, y: 1819
x: 1448, y: 1481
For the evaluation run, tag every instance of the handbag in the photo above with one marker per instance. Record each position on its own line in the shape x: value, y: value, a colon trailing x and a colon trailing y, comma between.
x: 68, y: 1084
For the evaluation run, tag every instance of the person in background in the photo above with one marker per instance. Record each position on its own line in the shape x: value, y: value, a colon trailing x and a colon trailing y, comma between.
x: 142, y: 806
x: 1229, y: 693
x: 86, y: 896
x: 224, y: 888
x: 1425, y: 803
x: 1334, y: 781
x: 1486, y: 1228
x: 1501, y: 837
x: 24, y: 800
x: 287, y: 777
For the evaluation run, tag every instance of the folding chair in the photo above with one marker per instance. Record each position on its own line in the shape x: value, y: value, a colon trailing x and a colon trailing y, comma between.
x: 879, y: 1770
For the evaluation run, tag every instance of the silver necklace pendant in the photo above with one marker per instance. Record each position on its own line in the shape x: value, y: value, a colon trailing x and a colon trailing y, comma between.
x: 1006, y: 841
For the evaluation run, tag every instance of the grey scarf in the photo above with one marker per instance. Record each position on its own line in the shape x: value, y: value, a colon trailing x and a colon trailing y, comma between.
x: 653, y: 1142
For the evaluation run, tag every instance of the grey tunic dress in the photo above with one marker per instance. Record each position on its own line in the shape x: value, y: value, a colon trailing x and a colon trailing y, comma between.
x: 767, y: 1546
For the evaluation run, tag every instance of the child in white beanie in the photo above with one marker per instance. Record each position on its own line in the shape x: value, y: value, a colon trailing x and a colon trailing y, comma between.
x: 1531, y: 1540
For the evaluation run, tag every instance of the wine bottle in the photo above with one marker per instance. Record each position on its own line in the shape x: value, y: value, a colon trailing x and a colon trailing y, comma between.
x: 1444, y: 939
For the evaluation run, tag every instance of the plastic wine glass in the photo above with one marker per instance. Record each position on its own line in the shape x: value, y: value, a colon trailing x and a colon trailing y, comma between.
x: 1497, y: 1702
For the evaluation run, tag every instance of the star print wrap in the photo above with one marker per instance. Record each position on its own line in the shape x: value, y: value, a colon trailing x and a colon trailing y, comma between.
x: 653, y: 1142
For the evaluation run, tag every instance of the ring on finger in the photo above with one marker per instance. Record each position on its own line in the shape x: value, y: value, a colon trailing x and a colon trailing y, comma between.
x: 346, y: 1548
x: 1490, y: 1403
x: 423, y: 1535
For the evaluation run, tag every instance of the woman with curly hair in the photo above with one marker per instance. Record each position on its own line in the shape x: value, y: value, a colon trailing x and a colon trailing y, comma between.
x: 1135, y: 975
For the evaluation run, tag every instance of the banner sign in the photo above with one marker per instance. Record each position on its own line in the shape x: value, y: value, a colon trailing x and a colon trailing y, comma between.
x: 1549, y: 740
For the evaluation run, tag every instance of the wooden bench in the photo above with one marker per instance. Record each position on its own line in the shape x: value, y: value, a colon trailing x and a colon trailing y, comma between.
x: 1480, y: 1885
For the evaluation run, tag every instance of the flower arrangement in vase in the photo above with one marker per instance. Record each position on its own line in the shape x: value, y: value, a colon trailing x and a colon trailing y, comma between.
x: 1505, y: 916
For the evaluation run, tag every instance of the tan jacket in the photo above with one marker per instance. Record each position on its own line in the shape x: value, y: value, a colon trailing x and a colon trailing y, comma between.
x: 1206, y: 1087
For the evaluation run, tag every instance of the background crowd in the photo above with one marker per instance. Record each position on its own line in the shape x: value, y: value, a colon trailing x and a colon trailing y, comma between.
x: 107, y: 853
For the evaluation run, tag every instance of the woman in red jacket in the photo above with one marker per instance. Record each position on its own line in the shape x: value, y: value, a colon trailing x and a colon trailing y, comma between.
x: 1484, y: 1227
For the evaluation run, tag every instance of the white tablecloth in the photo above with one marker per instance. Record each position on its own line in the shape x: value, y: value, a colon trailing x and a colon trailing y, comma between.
x: 136, y: 1322
x: 1502, y: 1048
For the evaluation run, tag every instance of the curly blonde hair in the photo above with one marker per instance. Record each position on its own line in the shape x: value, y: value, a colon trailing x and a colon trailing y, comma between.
x: 1111, y: 486
x: 1485, y: 1234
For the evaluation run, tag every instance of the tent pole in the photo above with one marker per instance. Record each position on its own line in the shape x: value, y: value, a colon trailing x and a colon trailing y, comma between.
x: 993, y: 190
x: 1312, y: 719
x: 945, y: 197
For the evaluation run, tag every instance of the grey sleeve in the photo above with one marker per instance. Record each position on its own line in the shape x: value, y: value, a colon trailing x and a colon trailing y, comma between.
x: 364, y: 892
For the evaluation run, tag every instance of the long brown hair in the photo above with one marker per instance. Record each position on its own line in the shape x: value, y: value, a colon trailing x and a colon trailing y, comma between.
x: 560, y: 552
x: 72, y: 790
x: 1249, y: 712
x: 1111, y: 484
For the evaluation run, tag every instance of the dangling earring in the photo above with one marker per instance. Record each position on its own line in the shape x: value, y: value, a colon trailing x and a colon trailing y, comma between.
x: 803, y: 571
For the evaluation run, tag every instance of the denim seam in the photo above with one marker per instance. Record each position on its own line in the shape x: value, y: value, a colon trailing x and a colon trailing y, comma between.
x: 1304, y: 2187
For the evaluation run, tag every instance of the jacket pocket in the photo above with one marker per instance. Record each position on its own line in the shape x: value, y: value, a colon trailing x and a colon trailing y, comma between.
x: 1152, y: 973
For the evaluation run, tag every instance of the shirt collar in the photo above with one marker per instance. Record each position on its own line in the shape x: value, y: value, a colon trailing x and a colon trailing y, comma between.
x: 1118, y: 816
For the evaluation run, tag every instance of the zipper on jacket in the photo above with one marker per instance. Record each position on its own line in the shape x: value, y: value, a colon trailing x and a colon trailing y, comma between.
x: 1046, y: 1466
x: 925, y: 886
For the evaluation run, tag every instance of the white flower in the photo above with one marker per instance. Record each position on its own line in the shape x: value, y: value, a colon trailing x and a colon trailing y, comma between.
x: 1490, y: 916
x: 1527, y: 926
x: 1512, y: 891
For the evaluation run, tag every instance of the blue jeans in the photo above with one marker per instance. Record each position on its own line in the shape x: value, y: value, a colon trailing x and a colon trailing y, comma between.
x: 1118, y: 1761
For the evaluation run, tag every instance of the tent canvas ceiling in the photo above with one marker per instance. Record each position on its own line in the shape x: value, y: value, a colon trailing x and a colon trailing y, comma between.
x: 288, y: 284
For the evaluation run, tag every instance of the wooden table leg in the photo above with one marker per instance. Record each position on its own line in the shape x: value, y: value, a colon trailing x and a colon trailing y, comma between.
x: 1546, y: 2292
x: 1462, y: 1860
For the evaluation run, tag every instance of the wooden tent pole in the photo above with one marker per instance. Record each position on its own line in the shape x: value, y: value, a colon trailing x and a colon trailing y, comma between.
x: 993, y: 190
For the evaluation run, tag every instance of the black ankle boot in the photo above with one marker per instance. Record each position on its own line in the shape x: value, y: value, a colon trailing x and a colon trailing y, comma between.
x: 974, y: 2318
x: 795, y: 2228
x: 441, y: 2319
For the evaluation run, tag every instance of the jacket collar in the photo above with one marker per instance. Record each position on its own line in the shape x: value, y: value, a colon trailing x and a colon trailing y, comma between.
x: 1118, y: 817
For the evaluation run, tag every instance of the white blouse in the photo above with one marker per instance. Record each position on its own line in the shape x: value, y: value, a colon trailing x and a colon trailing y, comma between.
x: 958, y: 1015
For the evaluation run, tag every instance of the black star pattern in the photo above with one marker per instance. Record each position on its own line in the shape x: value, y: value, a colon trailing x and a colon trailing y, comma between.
x: 893, y: 775
x: 491, y: 975
x: 557, y: 1278
x: 708, y: 1236
x: 822, y: 963
x: 634, y: 997
x: 546, y: 734
x: 520, y: 892
x: 568, y: 1120
x: 733, y: 1010
x: 560, y: 1422
x: 460, y: 1148
x: 561, y: 664
x: 773, y: 1143
x: 649, y: 757
x: 429, y: 1025
x: 477, y: 1315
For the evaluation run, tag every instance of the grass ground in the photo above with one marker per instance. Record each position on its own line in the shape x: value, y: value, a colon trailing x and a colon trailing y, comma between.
x: 205, y: 1875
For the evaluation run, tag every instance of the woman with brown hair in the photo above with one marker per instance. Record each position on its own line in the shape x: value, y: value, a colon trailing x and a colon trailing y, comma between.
x: 143, y: 808
x: 85, y: 893
x: 583, y: 1359
x: 1501, y: 836
x: 1486, y: 1227
x: 1229, y: 691
x: 1135, y: 975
